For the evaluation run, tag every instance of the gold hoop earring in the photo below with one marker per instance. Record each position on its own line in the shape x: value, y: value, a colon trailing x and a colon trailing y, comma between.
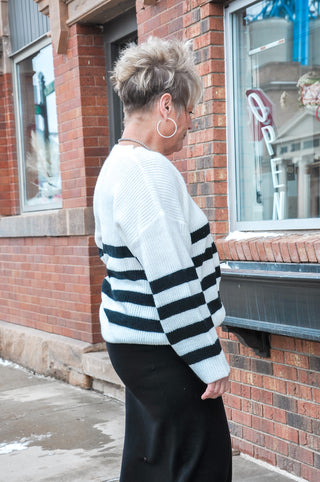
x: 175, y: 128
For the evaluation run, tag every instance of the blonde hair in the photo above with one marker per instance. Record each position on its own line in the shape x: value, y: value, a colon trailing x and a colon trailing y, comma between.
x: 144, y: 72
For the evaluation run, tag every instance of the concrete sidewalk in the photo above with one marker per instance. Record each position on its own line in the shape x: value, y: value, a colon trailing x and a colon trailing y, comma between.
x: 54, y: 432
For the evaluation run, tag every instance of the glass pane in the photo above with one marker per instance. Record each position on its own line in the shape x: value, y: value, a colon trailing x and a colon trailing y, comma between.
x: 118, y: 116
x: 39, y: 143
x: 277, y: 109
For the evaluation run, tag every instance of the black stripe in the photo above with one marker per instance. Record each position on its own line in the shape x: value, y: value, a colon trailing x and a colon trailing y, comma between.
x: 126, y: 296
x: 182, y: 305
x: 174, y: 279
x: 214, y: 305
x: 195, y: 329
x: 208, y: 281
x: 200, y: 233
x: 202, y: 353
x: 132, y: 275
x: 208, y: 254
x: 218, y: 272
x: 201, y: 258
x: 100, y: 251
x: 117, y: 251
x: 132, y: 322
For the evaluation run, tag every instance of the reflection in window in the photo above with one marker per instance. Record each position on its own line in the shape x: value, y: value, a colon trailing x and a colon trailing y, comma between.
x: 39, y: 132
x: 277, y: 109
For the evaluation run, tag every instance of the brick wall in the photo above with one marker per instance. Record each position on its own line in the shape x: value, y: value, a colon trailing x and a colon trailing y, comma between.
x: 54, y: 283
x: 274, y: 403
x: 9, y: 192
x: 51, y: 284
x: 81, y: 90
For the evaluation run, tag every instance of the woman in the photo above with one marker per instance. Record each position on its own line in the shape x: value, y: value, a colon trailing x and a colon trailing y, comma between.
x: 160, y: 298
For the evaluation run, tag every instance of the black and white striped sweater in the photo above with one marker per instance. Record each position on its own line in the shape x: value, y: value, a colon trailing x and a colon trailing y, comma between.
x: 163, y: 274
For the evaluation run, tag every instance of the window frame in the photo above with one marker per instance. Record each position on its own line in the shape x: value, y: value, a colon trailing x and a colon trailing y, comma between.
x: 18, y: 57
x: 230, y: 68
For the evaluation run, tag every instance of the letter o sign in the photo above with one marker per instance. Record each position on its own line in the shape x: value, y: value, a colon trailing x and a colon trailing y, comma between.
x: 255, y: 102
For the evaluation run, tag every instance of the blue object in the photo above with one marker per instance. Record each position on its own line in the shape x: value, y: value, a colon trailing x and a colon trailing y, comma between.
x: 297, y: 11
x: 300, y: 51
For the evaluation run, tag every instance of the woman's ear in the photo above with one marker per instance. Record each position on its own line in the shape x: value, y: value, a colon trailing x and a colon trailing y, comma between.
x: 165, y: 105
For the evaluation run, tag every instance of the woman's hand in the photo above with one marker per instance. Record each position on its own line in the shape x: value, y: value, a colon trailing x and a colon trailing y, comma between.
x: 216, y: 389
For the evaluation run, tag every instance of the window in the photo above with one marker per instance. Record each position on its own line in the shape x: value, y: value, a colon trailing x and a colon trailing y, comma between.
x: 274, y: 113
x: 37, y: 130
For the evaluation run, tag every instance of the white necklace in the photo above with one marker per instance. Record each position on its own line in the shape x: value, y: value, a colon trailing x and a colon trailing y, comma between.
x: 134, y: 140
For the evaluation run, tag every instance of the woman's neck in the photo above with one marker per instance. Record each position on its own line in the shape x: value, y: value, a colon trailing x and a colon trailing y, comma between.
x: 142, y: 128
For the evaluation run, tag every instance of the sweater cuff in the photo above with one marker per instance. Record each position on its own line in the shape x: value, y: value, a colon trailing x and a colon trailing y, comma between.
x: 212, y: 369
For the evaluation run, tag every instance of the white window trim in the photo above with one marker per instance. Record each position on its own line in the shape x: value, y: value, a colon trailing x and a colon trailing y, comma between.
x: 279, y: 225
x: 19, y: 57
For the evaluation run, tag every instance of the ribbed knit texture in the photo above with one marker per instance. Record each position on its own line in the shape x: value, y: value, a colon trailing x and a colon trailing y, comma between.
x: 163, y: 274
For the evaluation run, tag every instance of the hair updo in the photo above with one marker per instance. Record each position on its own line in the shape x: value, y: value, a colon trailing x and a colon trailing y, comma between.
x: 145, y: 72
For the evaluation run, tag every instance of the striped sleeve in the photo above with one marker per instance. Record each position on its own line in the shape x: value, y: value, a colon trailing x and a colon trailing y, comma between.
x: 188, y: 306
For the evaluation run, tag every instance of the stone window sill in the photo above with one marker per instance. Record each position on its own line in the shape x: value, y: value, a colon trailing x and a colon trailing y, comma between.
x: 60, y: 222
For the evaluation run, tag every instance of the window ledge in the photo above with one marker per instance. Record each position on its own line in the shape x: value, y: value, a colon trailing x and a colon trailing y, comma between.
x: 274, y: 248
x: 280, y: 298
x: 61, y: 222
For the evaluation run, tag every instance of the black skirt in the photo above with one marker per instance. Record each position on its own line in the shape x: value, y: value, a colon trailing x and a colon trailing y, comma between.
x: 171, y: 435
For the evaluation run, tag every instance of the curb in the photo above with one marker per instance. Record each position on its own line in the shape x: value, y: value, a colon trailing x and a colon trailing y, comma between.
x: 76, y: 362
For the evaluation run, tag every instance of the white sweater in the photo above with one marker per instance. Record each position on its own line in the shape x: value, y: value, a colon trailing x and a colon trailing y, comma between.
x: 163, y: 274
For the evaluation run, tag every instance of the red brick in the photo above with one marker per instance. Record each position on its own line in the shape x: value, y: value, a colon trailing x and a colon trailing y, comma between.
x: 309, y: 473
x: 277, y: 356
x: 251, y: 378
x: 308, y: 347
x: 216, y: 23
x: 261, y: 395
x: 232, y: 401
x: 316, y: 395
x: 253, y: 436
x: 253, y: 249
x: 240, y: 417
x: 260, y: 244
x: 262, y: 425
x: 276, y: 445
x: 239, y: 251
x: 298, y: 390
x: 277, y: 251
x: 285, y: 372
x: 237, y: 388
x: 309, y: 378
x: 265, y: 455
x: 274, y: 384
x: 309, y: 409
x: 286, y: 433
x: 210, y: 8
x: 284, y: 251
x: 284, y: 343
x: 276, y: 414
x: 252, y: 407
x: 297, y: 360
x: 302, y: 252
x: 309, y: 246
x: 268, y: 250
x: 301, y: 454
x: 219, y: 120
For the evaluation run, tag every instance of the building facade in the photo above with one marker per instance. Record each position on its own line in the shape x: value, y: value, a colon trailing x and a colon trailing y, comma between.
x: 251, y: 162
